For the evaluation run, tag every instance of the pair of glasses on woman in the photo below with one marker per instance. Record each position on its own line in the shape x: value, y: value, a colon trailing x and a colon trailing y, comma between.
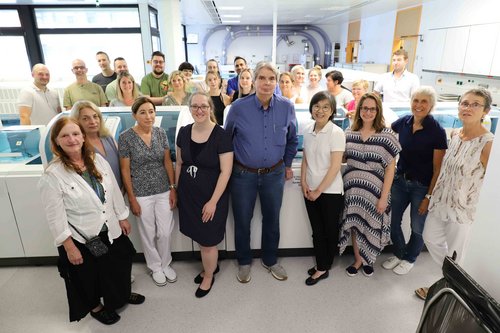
x: 466, y: 105
x: 203, y: 108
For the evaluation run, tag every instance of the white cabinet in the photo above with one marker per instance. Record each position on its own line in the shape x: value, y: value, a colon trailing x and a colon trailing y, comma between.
x: 432, y: 52
x: 10, y: 244
x: 455, y: 47
x: 471, y: 49
x: 30, y: 216
x: 481, y: 49
x: 495, y: 63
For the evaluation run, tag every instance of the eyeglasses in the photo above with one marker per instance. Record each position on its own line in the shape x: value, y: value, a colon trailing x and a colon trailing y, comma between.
x: 158, y: 62
x: 367, y: 109
x: 466, y: 105
x: 78, y: 67
x: 203, y: 108
x: 324, y: 108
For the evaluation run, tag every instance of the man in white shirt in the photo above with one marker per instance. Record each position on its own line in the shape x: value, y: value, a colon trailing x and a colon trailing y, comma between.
x: 397, y: 86
x: 38, y: 104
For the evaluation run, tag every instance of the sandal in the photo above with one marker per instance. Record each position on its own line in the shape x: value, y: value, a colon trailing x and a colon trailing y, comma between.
x: 107, y: 317
x: 135, y: 298
x: 422, y: 293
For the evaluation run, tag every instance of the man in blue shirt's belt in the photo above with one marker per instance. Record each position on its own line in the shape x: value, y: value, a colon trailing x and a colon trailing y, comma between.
x: 264, y: 131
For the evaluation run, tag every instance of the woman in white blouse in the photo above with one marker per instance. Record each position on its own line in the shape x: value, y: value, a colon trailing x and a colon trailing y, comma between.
x: 82, y: 200
x: 321, y: 181
x: 452, y: 207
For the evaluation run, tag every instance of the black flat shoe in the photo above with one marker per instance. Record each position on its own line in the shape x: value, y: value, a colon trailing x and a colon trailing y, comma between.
x: 198, y: 278
x: 135, y: 298
x: 310, y: 281
x: 202, y: 293
x: 107, y: 317
x: 311, y: 271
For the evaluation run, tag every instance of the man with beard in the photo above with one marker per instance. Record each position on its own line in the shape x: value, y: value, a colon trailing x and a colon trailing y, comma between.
x: 232, y: 84
x: 155, y: 84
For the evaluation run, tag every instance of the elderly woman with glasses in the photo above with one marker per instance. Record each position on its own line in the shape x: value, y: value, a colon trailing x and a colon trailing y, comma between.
x: 203, y: 167
x: 452, y: 208
x: 371, y: 151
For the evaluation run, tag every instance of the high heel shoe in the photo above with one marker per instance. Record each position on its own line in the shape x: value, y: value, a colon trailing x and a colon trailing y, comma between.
x: 198, y: 278
x: 202, y: 293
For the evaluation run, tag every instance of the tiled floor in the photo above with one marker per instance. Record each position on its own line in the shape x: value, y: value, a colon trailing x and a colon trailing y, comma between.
x: 32, y: 299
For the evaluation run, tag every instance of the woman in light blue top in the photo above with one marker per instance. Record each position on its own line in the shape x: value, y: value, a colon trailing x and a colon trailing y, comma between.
x: 90, y: 117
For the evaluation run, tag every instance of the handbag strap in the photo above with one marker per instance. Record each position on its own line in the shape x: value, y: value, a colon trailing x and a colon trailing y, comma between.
x: 78, y: 231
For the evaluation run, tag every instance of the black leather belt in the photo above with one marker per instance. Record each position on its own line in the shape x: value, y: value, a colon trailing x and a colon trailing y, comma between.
x: 259, y: 171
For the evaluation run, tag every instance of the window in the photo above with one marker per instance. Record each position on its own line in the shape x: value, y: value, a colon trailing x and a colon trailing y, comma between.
x: 54, y: 18
x: 14, y: 63
x: 9, y: 18
x: 153, y: 19
x: 61, y: 49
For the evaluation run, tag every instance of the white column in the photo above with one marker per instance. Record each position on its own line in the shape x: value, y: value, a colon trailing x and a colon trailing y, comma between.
x: 147, y: 44
x: 275, y: 31
x: 171, y: 33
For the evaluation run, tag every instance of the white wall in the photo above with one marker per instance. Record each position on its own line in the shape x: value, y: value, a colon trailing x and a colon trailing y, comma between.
x: 377, y: 35
x: 483, y: 255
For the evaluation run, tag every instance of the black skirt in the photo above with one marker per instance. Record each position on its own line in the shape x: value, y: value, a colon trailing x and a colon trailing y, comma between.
x: 107, y: 276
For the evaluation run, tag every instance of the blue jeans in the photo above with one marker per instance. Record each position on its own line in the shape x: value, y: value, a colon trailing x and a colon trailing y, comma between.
x: 403, y: 193
x: 244, y: 188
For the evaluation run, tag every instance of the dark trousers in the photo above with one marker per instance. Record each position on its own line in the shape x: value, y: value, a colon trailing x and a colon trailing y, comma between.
x: 324, y: 214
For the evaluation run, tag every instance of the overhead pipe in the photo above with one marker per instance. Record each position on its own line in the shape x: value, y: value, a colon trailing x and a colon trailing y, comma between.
x: 282, y: 33
x: 328, y: 52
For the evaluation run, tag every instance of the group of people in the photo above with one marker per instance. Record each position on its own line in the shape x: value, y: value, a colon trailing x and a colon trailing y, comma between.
x: 387, y: 169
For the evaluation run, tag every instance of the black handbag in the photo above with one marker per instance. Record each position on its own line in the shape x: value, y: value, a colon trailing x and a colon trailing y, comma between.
x: 95, y: 244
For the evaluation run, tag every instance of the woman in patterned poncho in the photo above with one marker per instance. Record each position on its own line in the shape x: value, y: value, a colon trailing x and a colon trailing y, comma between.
x: 371, y: 149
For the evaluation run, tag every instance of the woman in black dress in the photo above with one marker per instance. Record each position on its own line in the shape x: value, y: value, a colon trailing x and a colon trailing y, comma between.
x: 219, y: 99
x: 204, y: 164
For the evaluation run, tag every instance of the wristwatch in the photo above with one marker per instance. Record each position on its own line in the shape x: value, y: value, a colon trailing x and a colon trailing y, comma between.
x: 172, y: 187
x: 428, y: 196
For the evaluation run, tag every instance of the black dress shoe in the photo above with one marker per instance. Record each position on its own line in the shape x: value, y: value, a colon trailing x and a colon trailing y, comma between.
x: 107, y: 317
x: 202, y: 293
x: 310, y: 281
x: 198, y: 278
x: 311, y: 271
x: 135, y: 298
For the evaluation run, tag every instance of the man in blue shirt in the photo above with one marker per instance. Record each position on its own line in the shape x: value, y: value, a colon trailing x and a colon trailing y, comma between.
x: 264, y: 131
x: 232, y: 84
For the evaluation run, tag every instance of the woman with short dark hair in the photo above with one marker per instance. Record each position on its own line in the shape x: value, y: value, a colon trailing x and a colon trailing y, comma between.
x: 148, y: 176
x: 321, y: 182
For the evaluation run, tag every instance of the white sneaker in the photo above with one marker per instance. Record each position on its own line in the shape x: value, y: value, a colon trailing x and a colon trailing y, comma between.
x: 403, y: 268
x: 170, y: 274
x: 159, y: 278
x: 391, y: 262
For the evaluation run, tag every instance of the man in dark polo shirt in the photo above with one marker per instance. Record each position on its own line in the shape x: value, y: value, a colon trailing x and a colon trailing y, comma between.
x: 264, y: 130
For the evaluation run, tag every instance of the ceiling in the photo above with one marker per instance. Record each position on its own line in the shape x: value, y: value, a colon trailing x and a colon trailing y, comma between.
x: 258, y: 12
x: 288, y: 11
